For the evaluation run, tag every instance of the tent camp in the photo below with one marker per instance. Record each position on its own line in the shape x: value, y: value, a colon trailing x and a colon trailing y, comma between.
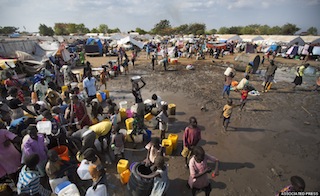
x: 288, y: 40
x: 130, y: 40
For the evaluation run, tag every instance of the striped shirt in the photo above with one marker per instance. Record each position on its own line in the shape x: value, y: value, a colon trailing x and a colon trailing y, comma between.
x: 29, y: 183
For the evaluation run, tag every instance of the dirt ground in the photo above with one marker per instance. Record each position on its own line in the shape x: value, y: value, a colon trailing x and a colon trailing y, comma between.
x: 275, y: 137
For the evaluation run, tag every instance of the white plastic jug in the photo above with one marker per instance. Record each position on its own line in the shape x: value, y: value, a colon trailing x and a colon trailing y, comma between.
x: 123, y: 104
x: 44, y: 127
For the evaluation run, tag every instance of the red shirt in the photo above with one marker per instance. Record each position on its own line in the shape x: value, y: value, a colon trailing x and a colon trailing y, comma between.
x: 244, y: 94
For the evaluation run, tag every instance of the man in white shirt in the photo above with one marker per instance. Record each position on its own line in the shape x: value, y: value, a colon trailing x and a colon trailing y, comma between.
x: 89, y: 84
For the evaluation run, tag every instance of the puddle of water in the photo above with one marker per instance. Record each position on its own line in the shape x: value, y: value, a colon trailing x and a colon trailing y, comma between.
x: 287, y: 74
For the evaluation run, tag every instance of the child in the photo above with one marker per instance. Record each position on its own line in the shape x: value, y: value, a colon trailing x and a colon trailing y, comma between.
x: 163, y: 121
x: 297, y: 185
x: 244, y: 96
x: 226, y: 113
x: 160, y: 177
x: 103, y: 78
x: 191, y: 137
x: 154, y: 149
x: 117, y: 142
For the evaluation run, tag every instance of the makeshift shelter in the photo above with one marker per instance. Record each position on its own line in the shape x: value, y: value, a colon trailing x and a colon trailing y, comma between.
x: 288, y: 40
x: 251, y: 38
x: 130, y: 40
x: 93, y: 46
x: 293, y: 50
x: 223, y: 38
x: 311, y: 39
x: 220, y: 46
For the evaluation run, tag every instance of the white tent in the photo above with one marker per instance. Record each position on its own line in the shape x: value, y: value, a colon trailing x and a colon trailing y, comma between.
x: 130, y: 40
x: 283, y: 39
x: 251, y: 38
x: 311, y: 39
x: 228, y: 37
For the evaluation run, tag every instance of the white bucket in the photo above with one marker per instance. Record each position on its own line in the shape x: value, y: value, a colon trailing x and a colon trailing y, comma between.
x: 136, y: 78
x: 228, y: 71
x: 123, y: 104
x: 44, y: 127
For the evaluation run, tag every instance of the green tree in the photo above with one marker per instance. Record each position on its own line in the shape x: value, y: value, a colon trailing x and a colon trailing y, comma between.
x: 264, y: 30
x: 276, y: 30
x: 223, y: 30
x: 197, y: 29
x: 235, y: 30
x: 182, y: 29
x: 81, y: 29
x: 211, y: 32
x: 116, y: 30
x: 103, y: 28
x: 94, y: 30
x: 71, y: 28
x: 141, y: 31
x: 162, y: 27
x: 46, y: 31
x: 289, y: 29
x: 8, y: 30
x: 60, y: 29
x: 312, y: 31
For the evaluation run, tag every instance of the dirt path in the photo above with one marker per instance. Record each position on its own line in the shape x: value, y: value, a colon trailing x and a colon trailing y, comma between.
x: 276, y: 137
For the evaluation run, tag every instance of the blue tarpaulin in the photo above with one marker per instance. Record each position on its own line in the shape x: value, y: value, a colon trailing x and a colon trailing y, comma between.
x: 93, y: 41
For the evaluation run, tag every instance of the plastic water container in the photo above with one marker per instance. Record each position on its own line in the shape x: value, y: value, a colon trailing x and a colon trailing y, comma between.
x: 103, y: 96
x: 125, y: 176
x: 228, y: 71
x: 148, y: 116
x: 128, y: 138
x: 64, y: 88
x: 123, y: 113
x: 174, y: 140
x: 44, y: 127
x: 129, y: 113
x: 107, y: 93
x: 61, y: 186
x: 122, y: 165
x: 73, y: 85
x: 71, y: 189
x: 129, y: 122
x: 99, y: 97
x: 168, y: 146
x: 83, y: 170
x: 135, y: 78
x: 123, y: 104
x: 172, y: 109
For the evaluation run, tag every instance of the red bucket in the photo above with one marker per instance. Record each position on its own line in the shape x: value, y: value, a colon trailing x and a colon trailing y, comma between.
x: 63, y: 152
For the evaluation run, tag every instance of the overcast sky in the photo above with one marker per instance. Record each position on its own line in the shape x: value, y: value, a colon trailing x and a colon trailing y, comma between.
x: 129, y: 14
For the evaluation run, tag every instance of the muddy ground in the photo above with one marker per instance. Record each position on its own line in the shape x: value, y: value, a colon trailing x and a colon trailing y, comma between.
x: 275, y: 137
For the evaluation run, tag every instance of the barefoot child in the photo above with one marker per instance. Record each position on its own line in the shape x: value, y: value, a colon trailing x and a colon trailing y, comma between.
x: 160, y: 177
x: 162, y: 117
x: 226, y: 113
x: 117, y: 142
x: 244, y: 96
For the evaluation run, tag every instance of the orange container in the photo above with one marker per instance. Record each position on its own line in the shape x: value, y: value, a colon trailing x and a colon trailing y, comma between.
x: 99, y: 97
x: 125, y: 176
x: 148, y: 116
x: 168, y: 145
x: 234, y: 83
x: 107, y: 93
x: 174, y: 140
x: 129, y: 122
x: 63, y: 152
x: 122, y: 165
x: 123, y: 113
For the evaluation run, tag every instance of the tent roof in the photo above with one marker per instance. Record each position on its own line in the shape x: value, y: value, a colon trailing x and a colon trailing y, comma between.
x: 228, y: 37
x: 311, y: 39
x: 250, y: 38
x: 131, y: 40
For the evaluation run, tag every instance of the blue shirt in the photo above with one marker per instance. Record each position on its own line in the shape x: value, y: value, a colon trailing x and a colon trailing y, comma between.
x: 90, y: 85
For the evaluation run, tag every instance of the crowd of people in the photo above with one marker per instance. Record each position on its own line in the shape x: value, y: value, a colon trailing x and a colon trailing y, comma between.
x: 33, y: 162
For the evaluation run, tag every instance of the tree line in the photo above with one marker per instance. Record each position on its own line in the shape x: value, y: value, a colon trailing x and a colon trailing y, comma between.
x: 164, y: 28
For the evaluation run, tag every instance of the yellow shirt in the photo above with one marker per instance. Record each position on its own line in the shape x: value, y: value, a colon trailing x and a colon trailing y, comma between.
x: 101, y: 128
x: 227, y: 110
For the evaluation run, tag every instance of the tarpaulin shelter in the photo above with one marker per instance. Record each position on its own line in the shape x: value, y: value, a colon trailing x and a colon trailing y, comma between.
x: 293, y: 50
x: 128, y: 39
x: 93, y: 46
x: 217, y: 45
x: 223, y: 38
